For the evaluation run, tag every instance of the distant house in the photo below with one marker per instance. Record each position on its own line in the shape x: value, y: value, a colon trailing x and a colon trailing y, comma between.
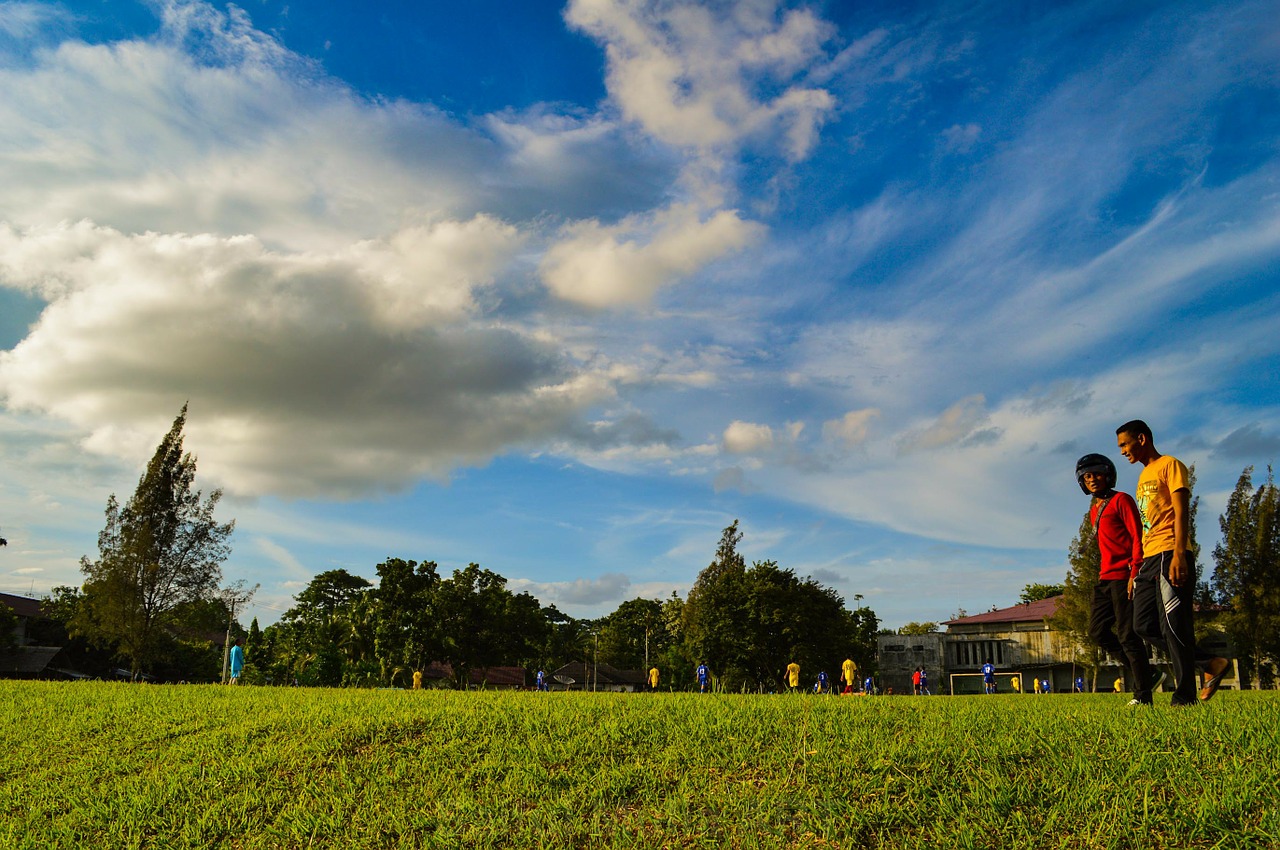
x: 506, y: 678
x: 1017, y: 639
x: 23, y: 660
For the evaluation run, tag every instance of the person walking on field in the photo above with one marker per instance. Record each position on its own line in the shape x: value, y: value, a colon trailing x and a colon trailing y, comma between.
x: 704, y: 678
x: 988, y: 677
x: 1117, y: 526
x: 237, y: 662
x: 915, y: 682
x: 793, y: 676
x: 653, y: 679
x: 849, y: 675
x: 1163, y: 588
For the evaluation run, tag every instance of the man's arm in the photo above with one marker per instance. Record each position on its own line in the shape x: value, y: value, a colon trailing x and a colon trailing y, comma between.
x: 1179, y: 570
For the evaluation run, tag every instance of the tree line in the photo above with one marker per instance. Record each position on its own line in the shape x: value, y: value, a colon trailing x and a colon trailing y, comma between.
x: 152, y: 601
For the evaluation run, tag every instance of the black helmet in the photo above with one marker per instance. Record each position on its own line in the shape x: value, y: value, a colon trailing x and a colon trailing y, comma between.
x: 1095, y: 464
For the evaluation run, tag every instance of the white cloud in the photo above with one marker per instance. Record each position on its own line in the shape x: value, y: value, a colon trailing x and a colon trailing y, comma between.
x: 747, y: 438
x: 704, y: 77
x: 852, y: 429
x: 628, y: 263
x: 307, y: 373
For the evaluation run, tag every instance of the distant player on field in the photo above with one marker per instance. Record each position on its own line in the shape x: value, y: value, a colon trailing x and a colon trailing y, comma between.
x: 793, y: 676
x: 924, y: 682
x: 704, y: 678
x: 849, y: 675
x: 653, y: 679
x: 237, y: 662
x: 989, y: 677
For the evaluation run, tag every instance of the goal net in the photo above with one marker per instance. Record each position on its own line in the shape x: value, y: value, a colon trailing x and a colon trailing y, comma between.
x: 971, y: 683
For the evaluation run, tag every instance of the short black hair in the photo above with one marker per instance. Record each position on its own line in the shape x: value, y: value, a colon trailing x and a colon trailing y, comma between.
x: 1136, y: 427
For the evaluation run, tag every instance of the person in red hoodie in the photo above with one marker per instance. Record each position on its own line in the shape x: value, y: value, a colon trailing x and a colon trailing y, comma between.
x: 1117, y: 525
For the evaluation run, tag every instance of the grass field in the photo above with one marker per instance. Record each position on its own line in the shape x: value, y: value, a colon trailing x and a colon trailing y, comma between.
x: 118, y: 765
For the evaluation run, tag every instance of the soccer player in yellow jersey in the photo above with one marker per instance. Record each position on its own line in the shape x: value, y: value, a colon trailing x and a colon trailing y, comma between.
x: 793, y: 676
x: 653, y: 678
x: 849, y: 674
x: 1162, y: 590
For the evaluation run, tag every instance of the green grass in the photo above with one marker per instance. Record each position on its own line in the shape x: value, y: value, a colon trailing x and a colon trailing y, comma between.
x: 117, y: 765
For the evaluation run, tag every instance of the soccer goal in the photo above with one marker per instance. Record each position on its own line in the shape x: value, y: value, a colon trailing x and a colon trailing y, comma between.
x: 971, y: 683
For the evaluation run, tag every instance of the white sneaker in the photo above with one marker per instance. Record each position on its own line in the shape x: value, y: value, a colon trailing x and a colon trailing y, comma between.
x: 1136, y: 701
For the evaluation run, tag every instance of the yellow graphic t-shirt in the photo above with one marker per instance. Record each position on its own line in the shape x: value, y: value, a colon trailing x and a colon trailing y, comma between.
x: 1159, y: 480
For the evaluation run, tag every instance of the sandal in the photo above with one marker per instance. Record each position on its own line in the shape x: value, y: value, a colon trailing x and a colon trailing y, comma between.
x: 1211, y: 687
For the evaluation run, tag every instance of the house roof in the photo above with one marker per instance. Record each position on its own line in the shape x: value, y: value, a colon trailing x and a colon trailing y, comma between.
x: 23, y: 606
x: 1021, y: 613
x: 27, y: 660
x: 491, y: 676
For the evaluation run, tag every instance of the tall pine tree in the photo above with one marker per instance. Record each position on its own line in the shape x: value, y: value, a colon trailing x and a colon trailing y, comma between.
x: 1247, y: 569
x: 162, y: 549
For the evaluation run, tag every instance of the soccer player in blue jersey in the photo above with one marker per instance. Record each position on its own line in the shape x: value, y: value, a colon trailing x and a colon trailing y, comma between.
x: 823, y: 685
x: 1079, y: 684
x: 704, y: 678
x: 541, y: 681
x: 869, y: 686
x: 989, y: 677
x: 924, y: 683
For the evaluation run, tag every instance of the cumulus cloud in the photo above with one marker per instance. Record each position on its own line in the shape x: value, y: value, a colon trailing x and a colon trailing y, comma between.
x: 712, y: 77
x: 307, y: 373
x: 626, y: 264
x: 213, y: 126
x: 747, y: 438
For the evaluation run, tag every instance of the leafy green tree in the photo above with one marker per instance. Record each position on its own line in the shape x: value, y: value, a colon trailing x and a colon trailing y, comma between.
x: 1036, y: 592
x: 314, y: 638
x: 914, y: 628
x: 636, y: 629
x: 162, y: 550
x: 716, y: 608
x: 472, y: 612
x: 1247, y: 569
x: 1076, y: 605
x: 747, y: 624
x: 405, y: 634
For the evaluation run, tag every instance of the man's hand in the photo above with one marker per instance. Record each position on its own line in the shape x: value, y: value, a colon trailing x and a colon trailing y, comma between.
x: 1130, y: 587
x: 1178, y: 571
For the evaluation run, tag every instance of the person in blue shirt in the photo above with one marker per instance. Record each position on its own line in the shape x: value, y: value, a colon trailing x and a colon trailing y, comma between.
x: 1079, y: 684
x: 924, y: 683
x: 1045, y: 687
x: 822, y: 685
x: 237, y: 662
x: 540, y: 683
x: 869, y: 686
x: 989, y: 677
x: 704, y: 678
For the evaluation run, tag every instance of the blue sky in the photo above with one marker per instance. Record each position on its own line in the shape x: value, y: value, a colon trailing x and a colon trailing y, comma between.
x: 564, y: 289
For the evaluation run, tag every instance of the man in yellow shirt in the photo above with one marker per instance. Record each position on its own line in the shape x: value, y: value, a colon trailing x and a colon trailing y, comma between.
x: 1162, y: 590
x: 849, y: 674
x: 793, y: 676
x: 1118, y: 685
x: 653, y: 679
